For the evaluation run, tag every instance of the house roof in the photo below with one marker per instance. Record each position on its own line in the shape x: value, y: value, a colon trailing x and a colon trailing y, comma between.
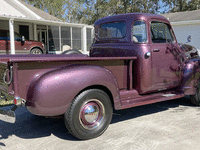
x: 183, y: 16
x: 20, y: 9
x: 40, y: 13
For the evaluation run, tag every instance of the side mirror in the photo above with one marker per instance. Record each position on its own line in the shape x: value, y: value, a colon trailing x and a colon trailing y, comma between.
x: 23, y: 39
x: 189, y: 38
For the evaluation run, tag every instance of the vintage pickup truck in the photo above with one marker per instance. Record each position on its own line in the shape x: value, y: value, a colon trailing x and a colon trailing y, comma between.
x: 134, y: 60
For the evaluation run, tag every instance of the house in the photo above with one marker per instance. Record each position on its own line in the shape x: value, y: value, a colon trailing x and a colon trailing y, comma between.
x: 35, y: 24
x: 186, y: 24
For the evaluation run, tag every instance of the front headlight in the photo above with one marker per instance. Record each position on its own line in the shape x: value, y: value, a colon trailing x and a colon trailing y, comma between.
x: 43, y: 45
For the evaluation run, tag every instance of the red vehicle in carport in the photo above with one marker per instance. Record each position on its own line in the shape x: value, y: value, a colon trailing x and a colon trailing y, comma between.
x: 22, y: 46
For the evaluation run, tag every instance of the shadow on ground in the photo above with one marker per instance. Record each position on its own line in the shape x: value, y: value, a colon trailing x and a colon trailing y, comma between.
x: 29, y: 126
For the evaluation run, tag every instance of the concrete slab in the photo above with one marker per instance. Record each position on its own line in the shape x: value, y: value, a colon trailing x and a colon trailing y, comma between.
x: 161, y: 126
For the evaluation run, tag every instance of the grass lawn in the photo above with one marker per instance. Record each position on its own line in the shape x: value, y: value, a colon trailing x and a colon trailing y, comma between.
x: 7, y: 102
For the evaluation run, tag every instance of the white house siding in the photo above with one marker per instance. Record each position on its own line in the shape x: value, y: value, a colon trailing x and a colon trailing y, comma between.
x: 182, y: 31
x: 4, y: 25
x: 7, y: 9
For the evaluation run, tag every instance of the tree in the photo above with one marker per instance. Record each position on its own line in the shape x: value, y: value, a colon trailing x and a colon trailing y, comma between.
x: 181, y: 5
x: 194, y: 5
x: 53, y: 7
x: 88, y: 11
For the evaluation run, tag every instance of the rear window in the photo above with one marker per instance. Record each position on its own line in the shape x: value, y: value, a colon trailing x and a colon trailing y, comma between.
x: 112, y: 30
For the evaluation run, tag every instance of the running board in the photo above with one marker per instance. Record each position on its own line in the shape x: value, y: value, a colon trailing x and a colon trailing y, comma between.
x: 132, y: 98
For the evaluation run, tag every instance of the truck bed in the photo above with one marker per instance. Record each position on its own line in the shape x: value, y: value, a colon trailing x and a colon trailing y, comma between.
x: 27, y: 68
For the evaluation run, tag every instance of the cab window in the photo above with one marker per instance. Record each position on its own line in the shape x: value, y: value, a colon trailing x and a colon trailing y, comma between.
x: 139, y: 32
x: 161, y: 33
x: 112, y: 30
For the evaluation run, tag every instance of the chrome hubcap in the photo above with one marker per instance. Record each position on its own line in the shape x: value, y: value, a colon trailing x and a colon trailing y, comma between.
x: 91, y: 114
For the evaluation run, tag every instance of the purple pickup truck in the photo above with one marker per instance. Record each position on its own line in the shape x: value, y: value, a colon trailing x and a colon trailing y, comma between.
x: 134, y: 60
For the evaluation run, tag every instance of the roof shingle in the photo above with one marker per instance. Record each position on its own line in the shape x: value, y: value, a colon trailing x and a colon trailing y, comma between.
x: 183, y: 16
x: 20, y: 9
x: 39, y: 12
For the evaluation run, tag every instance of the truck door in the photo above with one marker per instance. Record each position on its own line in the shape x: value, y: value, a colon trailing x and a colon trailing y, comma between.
x: 166, y: 58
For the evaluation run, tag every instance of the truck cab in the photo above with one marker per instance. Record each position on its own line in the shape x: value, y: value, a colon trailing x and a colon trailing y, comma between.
x: 148, y: 37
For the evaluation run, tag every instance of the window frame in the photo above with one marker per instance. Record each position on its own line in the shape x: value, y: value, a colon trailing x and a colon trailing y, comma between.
x: 170, y: 31
x: 116, y: 38
x: 146, y: 32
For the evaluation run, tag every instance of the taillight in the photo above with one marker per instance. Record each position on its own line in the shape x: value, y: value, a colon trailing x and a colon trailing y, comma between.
x: 15, y: 101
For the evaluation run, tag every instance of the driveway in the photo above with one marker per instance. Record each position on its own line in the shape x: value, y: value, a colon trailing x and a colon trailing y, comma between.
x: 169, y: 125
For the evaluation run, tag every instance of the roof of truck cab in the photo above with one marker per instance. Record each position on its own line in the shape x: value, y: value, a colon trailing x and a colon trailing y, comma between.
x: 128, y: 16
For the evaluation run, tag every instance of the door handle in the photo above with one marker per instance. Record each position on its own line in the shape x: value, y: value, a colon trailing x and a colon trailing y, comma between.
x: 147, y: 55
x: 156, y: 50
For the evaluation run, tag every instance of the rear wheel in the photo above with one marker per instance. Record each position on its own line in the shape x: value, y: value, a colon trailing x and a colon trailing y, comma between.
x: 195, y: 99
x: 89, y: 114
x: 36, y: 51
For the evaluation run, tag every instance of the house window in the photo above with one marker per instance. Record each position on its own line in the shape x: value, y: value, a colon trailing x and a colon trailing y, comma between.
x: 76, y: 38
x: 65, y: 37
x: 54, y: 43
x: 24, y: 31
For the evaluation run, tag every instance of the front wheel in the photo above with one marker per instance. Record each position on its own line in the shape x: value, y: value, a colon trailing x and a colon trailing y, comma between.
x: 89, y: 114
x: 195, y: 99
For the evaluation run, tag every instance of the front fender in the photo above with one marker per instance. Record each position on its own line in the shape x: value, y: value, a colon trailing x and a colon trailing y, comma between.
x: 191, y: 76
x: 53, y: 92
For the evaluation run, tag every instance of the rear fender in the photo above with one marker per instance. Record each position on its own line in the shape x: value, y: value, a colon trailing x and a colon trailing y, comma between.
x: 53, y: 92
x: 191, y: 76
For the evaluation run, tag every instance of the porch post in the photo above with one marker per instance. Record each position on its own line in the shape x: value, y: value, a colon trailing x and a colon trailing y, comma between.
x: 84, y: 39
x: 60, y: 38
x: 47, y: 39
x: 12, y: 36
x: 35, y: 32
x: 71, y: 37
x: 92, y: 34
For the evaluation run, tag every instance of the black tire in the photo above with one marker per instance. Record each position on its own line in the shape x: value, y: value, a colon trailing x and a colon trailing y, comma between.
x: 89, y: 114
x: 195, y: 99
x: 72, y: 51
x: 36, y: 51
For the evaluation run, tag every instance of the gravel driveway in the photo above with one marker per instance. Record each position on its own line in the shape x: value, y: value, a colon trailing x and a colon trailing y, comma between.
x: 169, y: 125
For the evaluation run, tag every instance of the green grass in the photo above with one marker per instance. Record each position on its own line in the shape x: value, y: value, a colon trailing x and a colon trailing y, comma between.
x: 4, y: 102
